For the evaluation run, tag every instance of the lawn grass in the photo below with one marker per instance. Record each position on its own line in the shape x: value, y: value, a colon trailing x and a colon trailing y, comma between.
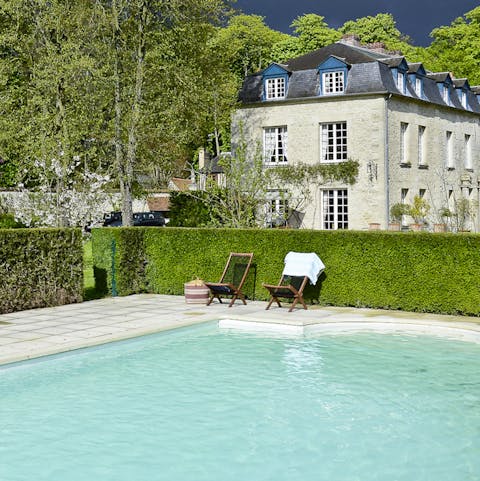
x: 89, y: 287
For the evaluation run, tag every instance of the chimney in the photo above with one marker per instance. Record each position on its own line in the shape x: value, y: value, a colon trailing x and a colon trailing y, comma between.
x: 378, y: 47
x: 351, y: 39
x: 203, y: 158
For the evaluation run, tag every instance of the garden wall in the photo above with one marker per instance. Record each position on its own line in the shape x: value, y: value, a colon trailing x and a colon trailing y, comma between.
x: 40, y: 268
x: 408, y: 271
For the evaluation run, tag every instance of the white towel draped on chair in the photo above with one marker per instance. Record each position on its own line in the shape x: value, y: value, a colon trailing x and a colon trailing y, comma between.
x: 303, y: 264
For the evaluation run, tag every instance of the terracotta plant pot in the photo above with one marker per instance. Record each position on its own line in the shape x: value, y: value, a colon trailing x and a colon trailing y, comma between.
x: 416, y: 227
x: 439, y: 227
x: 374, y: 226
x: 394, y: 226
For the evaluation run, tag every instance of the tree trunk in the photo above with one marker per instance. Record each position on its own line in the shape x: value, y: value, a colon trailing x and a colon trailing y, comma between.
x: 120, y: 164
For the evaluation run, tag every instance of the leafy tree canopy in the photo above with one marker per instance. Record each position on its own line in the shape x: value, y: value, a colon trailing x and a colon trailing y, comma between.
x: 456, y: 48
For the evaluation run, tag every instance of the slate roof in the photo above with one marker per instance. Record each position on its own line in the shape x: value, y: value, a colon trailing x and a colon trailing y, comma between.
x: 212, y: 165
x: 369, y: 72
x: 348, y: 53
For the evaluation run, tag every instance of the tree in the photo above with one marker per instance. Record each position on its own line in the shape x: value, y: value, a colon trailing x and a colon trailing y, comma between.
x: 246, y: 43
x: 48, y: 81
x: 311, y: 32
x: 382, y: 28
x: 119, y: 83
x: 455, y: 48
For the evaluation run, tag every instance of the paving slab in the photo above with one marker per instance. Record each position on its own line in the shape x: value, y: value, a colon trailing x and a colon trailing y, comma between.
x: 40, y: 332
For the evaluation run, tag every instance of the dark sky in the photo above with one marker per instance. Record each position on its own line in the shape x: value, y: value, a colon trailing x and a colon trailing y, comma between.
x: 415, y: 18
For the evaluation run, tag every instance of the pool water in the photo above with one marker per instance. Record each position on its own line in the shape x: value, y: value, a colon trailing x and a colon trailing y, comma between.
x: 208, y: 404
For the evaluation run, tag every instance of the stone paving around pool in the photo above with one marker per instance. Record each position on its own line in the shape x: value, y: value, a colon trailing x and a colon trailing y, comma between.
x: 40, y: 332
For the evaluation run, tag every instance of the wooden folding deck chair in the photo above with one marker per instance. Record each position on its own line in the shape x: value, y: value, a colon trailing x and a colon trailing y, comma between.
x: 300, y: 267
x: 232, y: 280
x: 289, y: 287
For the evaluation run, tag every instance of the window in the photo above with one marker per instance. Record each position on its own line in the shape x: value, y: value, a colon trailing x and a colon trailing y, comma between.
x: 401, y: 81
x: 277, y: 212
x: 403, y: 142
x: 449, y: 162
x: 333, y: 82
x: 421, y: 145
x: 275, y: 88
x: 418, y: 87
x: 403, y: 200
x: 446, y: 95
x: 275, y: 145
x: 468, y: 152
x: 421, y: 193
x: 464, y: 99
x: 335, y: 209
x: 333, y: 142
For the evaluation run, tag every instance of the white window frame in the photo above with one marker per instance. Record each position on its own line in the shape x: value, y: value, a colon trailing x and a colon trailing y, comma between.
x: 446, y: 94
x: 275, y: 142
x: 421, y: 145
x: 403, y: 142
x: 334, y: 209
x: 275, y: 88
x: 468, y: 152
x: 333, y: 142
x: 333, y: 82
x: 449, y: 160
x: 404, y: 201
x: 418, y: 86
x: 401, y: 81
x: 464, y: 99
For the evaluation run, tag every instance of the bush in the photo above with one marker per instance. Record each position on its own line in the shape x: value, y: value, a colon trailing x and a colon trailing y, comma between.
x: 40, y: 268
x: 188, y: 211
x: 7, y: 221
x: 409, y: 271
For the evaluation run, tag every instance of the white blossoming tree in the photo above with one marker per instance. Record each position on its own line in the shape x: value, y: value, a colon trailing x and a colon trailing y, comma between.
x: 61, y: 195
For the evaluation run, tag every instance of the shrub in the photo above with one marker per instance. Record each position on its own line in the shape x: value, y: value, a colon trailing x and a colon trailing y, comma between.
x: 40, y: 268
x: 188, y: 211
x: 7, y: 221
x: 409, y: 271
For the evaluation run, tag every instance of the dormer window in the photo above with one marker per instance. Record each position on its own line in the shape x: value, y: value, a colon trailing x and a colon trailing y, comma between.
x: 275, y: 88
x: 415, y: 75
x: 333, y: 76
x: 333, y: 82
x: 464, y: 99
x: 275, y: 82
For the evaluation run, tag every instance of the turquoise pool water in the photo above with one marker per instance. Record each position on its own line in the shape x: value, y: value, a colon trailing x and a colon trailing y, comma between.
x: 206, y: 404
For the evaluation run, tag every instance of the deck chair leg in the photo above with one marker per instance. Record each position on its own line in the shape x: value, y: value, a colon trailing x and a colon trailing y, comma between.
x: 269, y: 304
x: 294, y: 303
x: 232, y: 302
x: 303, y: 302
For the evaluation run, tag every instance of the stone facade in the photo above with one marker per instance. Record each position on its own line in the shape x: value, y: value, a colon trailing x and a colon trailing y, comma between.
x: 407, y: 145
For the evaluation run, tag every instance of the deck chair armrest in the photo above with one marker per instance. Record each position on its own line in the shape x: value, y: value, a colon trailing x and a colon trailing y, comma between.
x: 220, y: 284
x: 289, y: 287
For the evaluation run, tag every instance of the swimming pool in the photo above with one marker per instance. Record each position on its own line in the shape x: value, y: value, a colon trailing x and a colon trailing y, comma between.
x: 207, y: 404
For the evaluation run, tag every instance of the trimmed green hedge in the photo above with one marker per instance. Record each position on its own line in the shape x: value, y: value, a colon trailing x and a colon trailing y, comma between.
x: 40, y: 268
x: 408, y: 271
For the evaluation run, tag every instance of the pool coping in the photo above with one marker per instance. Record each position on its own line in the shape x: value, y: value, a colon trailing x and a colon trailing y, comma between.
x: 42, y: 332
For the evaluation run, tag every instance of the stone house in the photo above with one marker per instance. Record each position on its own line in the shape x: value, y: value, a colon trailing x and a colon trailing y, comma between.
x: 413, y: 132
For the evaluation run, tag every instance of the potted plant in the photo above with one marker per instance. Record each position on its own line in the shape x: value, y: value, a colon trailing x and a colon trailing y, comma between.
x: 465, y: 213
x: 444, y: 213
x: 397, y: 211
x: 418, y: 211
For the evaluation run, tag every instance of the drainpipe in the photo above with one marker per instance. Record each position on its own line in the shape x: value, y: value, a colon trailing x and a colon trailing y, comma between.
x: 387, y: 165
